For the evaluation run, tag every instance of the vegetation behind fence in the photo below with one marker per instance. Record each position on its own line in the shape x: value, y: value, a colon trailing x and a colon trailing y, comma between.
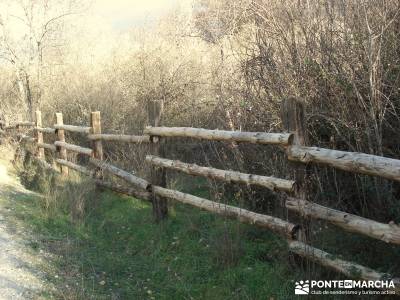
x: 296, y: 193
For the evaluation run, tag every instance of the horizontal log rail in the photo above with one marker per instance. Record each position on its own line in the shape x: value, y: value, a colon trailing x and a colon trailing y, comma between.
x: 26, y: 138
x: 389, y: 233
x: 350, y: 269
x: 25, y: 124
x: 74, y: 148
x: 347, y: 161
x: 143, y: 195
x: 271, y: 183
x: 50, y: 147
x: 283, y: 139
x: 45, y: 130
x: 277, y: 225
x: 120, y: 138
x: 10, y: 127
x: 137, y: 181
x: 73, y: 128
x: 75, y: 167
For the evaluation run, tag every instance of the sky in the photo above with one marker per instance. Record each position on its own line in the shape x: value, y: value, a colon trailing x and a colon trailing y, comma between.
x: 123, y: 14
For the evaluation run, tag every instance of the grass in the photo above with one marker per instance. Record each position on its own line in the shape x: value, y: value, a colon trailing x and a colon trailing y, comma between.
x: 107, y: 246
x: 118, y: 252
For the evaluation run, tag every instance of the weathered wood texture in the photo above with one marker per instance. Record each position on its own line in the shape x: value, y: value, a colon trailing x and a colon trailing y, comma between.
x: 221, y: 135
x: 347, y: 268
x: 143, y: 195
x: 72, y: 128
x: 25, y: 124
x: 62, y: 152
x: 73, y: 166
x: 74, y: 148
x: 157, y: 176
x: 137, y: 181
x: 277, y: 225
x: 45, y: 130
x: 39, y: 135
x: 271, y: 183
x: 95, y: 122
x: 389, y: 233
x: 348, y: 161
x: 97, y: 146
x: 293, y: 121
x: 47, y: 146
x: 120, y: 138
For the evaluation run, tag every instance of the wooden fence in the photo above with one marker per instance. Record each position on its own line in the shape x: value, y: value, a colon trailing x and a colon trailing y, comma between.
x: 294, y: 142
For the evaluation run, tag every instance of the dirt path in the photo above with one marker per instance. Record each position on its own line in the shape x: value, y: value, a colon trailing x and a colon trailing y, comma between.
x: 19, y: 278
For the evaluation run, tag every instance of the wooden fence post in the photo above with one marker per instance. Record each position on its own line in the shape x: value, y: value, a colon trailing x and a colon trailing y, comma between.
x: 39, y: 135
x: 157, y: 176
x: 62, y: 152
x: 293, y: 120
x: 18, y: 127
x: 97, y: 146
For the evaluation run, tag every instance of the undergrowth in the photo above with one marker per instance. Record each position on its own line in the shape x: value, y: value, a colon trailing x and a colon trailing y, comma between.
x: 107, y: 246
x: 114, y: 250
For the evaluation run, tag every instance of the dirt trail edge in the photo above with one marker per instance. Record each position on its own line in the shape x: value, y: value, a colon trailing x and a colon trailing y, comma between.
x: 19, y: 276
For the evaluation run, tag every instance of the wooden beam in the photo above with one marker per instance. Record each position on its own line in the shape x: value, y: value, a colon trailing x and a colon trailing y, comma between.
x: 137, y: 181
x: 120, y: 138
x: 72, y: 128
x: 143, y: 195
x: 39, y: 135
x: 95, y: 122
x: 349, y: 269
x: 62, y: 152
x: 50, y: 147
x: 277, y: 225
x: 282, y: 139
x: 348, y: 161
x: 157, y: 176
x: 73, y: 166
x: 389, y: 233
x: 25, y: 124
x: 271, y: 183
x: 97, y: 146
x: 294, y: 121
x: 45, y: 130
x: 74, y: 148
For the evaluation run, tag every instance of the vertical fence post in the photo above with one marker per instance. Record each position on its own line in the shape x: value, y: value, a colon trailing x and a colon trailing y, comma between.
x: 157, y: 176
x: 39, y: 135
x: 292, y: 115
x: 62, y: 152
x: 18, y: 127
x: 97, y: 146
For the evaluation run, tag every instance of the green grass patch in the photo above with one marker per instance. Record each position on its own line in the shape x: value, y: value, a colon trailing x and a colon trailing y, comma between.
x: 118, y: 252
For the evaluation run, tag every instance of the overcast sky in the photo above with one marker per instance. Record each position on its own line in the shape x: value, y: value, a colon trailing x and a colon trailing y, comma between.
x: 122, y: 14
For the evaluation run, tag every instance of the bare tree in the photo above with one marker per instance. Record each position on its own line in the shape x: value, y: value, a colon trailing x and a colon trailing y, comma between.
x: 28, y: 29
